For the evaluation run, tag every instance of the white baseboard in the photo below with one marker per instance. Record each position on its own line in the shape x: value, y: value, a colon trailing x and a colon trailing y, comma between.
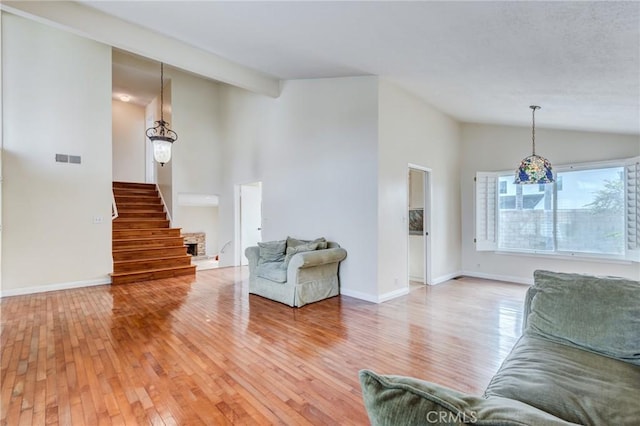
x: 359, y: 295
x: 416, y: 278
x: 445, y: 278
x: 507, y: 278
x: 373, y: 298
x: 54, y: 287
x: 393, y: 294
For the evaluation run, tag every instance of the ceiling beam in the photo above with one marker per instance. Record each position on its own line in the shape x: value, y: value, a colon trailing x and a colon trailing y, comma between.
x: 93, y: 24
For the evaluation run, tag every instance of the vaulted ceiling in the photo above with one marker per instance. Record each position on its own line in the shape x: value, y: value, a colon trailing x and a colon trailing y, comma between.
x: 476, y: 61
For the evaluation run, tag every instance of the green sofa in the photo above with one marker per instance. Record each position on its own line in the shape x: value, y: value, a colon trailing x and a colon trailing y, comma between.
x: 577, y: 362
x: 295, y: 272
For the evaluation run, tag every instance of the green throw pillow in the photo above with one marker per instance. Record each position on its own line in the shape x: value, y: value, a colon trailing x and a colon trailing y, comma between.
x: 298, y: 249
x: 397, y: 400
x: 293, y: 242
x: 272, y: 251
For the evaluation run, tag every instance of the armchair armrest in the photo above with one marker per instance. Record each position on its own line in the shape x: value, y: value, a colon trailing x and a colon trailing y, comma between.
x: 252, y: 253
x: 308, y: 259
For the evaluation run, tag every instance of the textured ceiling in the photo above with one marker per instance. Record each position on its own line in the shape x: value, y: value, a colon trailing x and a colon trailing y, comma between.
x: 476, y: 61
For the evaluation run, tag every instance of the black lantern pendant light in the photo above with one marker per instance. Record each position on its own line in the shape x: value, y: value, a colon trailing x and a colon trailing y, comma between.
x: 161, y: 136
x: 534, y: 168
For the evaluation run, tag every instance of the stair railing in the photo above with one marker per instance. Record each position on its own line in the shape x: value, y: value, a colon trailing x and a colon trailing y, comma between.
x: 114, y: 208
x: 166, y: 210
x: 224, y: 247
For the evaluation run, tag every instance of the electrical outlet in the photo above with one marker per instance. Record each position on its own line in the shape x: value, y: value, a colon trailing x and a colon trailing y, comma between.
x: 97, y: 220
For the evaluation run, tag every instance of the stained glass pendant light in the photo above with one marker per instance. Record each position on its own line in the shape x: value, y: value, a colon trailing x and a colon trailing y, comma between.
x: 534, y: 168
x: 161, y: 136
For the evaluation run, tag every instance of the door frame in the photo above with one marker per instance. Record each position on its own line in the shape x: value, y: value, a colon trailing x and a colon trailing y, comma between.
x: 237, y: 228
x: 426, y: 224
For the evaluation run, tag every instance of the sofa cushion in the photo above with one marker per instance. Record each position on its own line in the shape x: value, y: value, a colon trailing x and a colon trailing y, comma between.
x: 274, y: 271
x: 298, y: 249
x: 579, y: 386
x: 600, y: 314
x: 397, y: 400
x: 294, y: 242
x: 272, y: 251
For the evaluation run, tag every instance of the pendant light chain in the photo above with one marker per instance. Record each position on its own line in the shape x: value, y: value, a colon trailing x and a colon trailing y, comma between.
x: 162, y: 91
x: 161, y: 135
x: 533, y: 127
x: 533, y: 130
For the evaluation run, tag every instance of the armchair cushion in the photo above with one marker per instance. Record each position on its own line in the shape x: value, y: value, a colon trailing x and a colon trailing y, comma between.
x: 272, y: 251
x: 580, y: 386
x: 274, y: 271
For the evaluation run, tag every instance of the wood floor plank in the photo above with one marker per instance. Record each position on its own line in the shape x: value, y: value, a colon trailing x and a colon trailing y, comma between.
x: 191, y: 351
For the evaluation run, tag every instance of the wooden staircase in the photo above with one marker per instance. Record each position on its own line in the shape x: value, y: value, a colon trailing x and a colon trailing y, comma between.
x: 144, y: 247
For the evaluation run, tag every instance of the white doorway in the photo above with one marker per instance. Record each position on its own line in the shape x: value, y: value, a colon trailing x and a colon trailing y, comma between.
x: 250, y: 218
x: 419, y: 224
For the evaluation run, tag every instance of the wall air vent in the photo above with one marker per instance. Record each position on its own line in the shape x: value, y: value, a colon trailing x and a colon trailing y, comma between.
x: 65, y: 158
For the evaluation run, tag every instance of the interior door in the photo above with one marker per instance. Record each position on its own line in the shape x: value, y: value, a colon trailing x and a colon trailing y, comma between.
x: 419, y: 241
x: 250, y: 217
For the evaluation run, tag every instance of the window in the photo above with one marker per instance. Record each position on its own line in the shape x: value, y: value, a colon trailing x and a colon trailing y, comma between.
x: 591, y: 210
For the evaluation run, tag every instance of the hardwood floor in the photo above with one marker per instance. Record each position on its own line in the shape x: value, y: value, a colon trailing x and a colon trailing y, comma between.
x: 201, y: 351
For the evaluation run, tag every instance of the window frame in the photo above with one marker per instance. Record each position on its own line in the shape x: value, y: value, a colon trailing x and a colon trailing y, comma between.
x: 486, y: 201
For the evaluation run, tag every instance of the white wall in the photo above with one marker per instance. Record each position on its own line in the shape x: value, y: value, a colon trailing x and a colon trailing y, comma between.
x: 314, y: 149
x: 411, y: 131
x: 247, y: 120
x: 56, y: 99
x: 196, y: 158
x: 499, y: 148
x: 151, y: 115
x: 128, y: 126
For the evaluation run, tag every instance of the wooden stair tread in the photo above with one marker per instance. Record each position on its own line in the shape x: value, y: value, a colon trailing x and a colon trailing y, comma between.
x: 145, y: 249
x: 152, y: 274
x: 132, y: 191
x: 148, y: 252
x: 118, y: 184
x: 147, y: 229
x: 136, y: 203
x: 142, y: 215
x: 137, y: 197
x: 146, y: 197
x: 138, y: 224
x: 146, y: 239
x: 136, y: 209
x: 134, y: 219
x: 121, y: 234
x: 154, y: 270
x: 152, y: 259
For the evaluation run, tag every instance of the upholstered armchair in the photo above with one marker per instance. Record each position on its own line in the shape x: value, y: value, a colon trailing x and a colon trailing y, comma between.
x: 295, y: 272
